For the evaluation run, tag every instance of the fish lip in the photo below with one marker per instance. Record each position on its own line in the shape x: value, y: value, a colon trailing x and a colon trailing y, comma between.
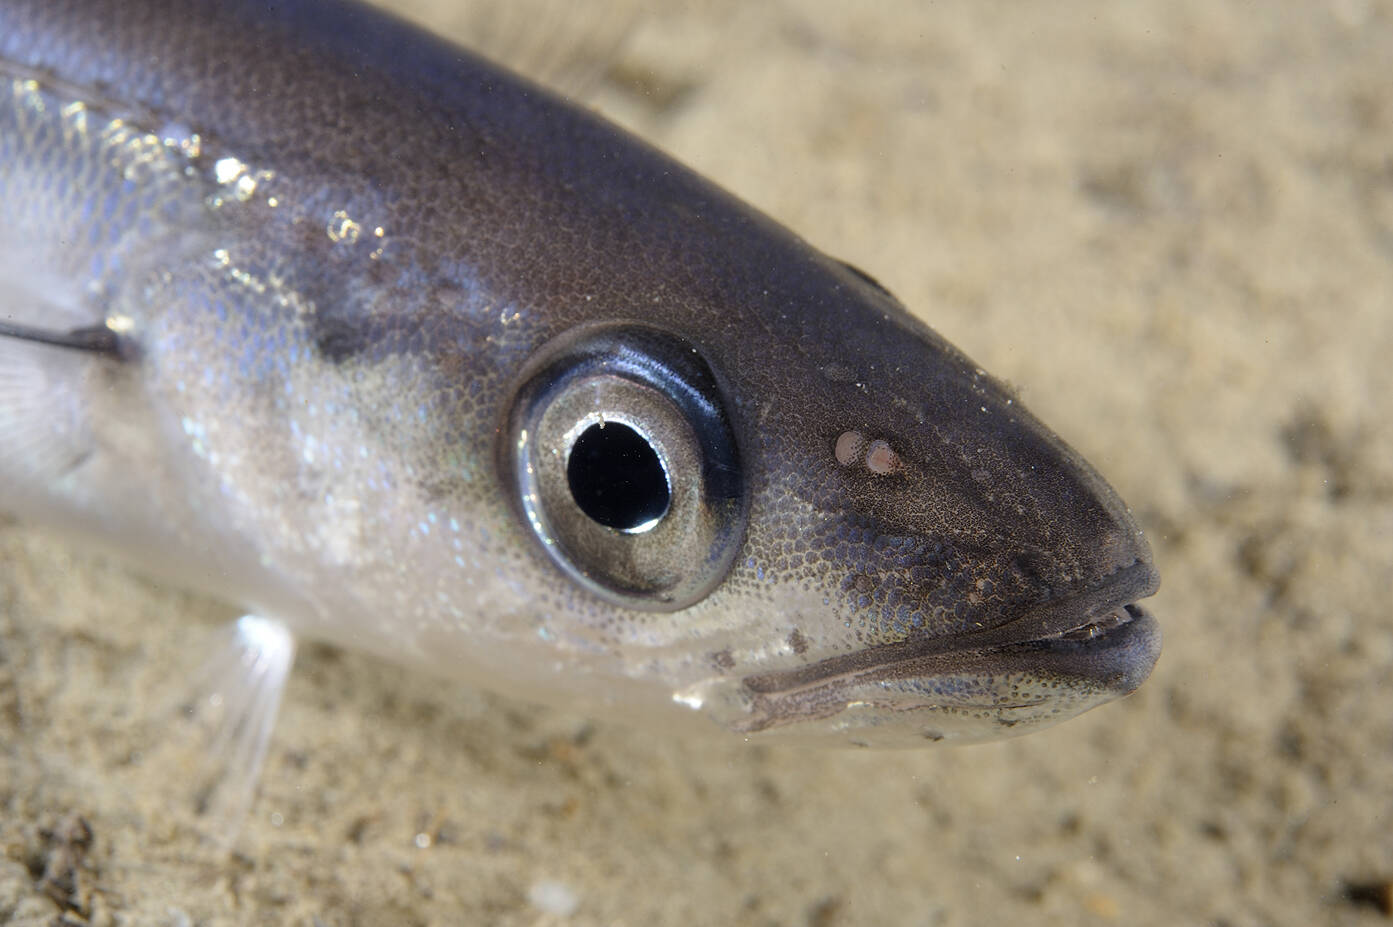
x: 1086, y: 633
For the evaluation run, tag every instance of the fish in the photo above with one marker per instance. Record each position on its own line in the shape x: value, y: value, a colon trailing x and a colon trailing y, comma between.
x: 313, y: 312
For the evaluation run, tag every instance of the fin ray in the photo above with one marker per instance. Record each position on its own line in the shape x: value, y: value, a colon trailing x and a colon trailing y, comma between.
x: 224, y: 726
x: 43, y: 431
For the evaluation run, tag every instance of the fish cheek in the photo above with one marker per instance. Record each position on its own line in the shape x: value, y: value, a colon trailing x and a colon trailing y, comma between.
x: 891, y: 545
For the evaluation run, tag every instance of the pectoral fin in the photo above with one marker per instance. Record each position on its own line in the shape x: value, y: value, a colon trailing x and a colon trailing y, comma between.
x: 218, y: 743
x: 43, y: 428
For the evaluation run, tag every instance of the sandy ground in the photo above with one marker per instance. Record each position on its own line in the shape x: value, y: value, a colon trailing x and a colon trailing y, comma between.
x: 1171, y: 225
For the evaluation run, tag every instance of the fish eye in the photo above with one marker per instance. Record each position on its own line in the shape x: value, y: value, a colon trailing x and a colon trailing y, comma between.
x: 621, y: 459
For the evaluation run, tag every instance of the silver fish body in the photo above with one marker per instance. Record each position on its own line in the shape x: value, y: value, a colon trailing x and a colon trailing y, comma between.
x: 409, y: 355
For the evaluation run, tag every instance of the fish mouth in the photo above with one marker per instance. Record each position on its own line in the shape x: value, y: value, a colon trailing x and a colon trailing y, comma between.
x: 1100, y: 610
x: 1115, y: 651
x: 1098, y: 638
x: 1099, y: 626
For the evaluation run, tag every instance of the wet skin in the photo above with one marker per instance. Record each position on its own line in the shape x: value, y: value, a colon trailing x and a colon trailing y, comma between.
x: 367, y: 293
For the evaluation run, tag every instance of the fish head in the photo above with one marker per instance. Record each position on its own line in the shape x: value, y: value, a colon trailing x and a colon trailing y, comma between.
x: 827, y: 524
x: 715, y: 474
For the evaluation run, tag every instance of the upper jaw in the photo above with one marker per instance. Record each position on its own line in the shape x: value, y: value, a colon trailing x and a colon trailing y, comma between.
x: 1092, y: 611
x: 1086, y: 620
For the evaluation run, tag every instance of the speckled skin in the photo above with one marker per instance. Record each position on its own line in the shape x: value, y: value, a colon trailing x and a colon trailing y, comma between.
x: 333, y: 243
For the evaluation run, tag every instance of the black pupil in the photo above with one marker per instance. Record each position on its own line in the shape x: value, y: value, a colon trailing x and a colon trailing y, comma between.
x: 616, y: 477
